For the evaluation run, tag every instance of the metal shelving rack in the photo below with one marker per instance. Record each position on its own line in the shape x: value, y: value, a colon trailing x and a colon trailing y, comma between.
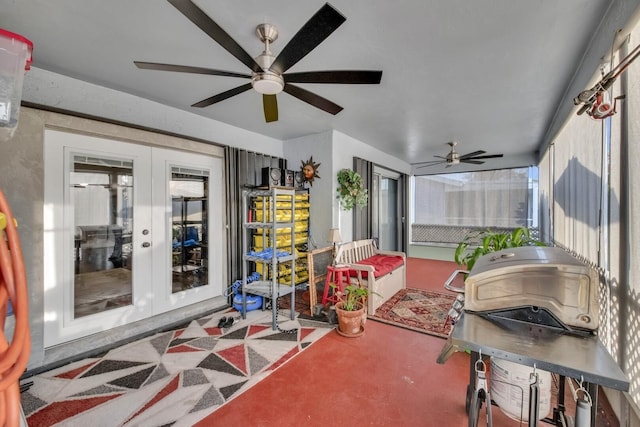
x: 266, y: 218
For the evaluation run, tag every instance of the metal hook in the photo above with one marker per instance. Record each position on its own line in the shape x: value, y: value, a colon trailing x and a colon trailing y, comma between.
x: 584, y: 391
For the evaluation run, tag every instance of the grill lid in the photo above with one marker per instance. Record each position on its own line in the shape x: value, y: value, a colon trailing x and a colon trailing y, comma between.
x: 545, y: 278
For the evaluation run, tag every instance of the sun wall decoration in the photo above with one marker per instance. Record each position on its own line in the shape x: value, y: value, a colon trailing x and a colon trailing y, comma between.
x: 310, y: 170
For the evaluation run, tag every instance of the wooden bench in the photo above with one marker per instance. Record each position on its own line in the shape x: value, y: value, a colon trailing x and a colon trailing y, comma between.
x: 382, y: 272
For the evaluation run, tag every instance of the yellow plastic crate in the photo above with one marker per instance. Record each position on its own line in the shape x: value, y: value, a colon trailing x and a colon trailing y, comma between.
x: 299, y: 226
x: 283, y: 215
x: 279, y: 205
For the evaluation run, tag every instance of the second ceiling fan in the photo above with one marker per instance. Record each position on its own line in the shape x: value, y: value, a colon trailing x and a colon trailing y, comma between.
x: 454, y: 158
x: 268, y: 72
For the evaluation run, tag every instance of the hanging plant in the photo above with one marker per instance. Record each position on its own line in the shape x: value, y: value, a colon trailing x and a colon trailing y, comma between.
x: 351, y: 192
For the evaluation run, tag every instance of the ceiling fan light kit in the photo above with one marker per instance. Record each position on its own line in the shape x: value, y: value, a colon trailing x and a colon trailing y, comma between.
x: 268, y: 71
x: 267, y: 83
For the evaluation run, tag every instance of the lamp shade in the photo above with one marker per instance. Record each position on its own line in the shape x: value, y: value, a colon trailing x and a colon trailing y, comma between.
x: 334, y: 235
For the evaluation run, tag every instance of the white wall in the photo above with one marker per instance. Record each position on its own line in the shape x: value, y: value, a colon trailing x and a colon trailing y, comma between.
x: 345, y: 148
x: 55, y: 90
x: 302, y: 149
x: 335, y: 151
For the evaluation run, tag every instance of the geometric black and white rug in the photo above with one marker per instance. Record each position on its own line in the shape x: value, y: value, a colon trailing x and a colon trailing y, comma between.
x: 173, y: 378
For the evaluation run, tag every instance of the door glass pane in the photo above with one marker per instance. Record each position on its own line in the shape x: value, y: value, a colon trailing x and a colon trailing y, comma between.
x: 388, y: 210
x: 189, y: 194
x: 102, y: 197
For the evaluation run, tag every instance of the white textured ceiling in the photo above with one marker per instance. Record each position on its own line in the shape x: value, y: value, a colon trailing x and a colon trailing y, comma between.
x: 491, y: 74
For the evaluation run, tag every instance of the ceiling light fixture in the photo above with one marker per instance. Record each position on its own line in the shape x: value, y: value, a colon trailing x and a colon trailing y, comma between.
x: 267, y: 83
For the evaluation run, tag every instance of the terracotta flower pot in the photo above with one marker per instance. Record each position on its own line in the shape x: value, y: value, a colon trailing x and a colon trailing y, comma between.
x: 350, y: 322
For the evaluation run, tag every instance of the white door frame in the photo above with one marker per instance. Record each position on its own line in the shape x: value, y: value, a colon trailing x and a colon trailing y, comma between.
x: 151, y: 284
x: 59, y: 323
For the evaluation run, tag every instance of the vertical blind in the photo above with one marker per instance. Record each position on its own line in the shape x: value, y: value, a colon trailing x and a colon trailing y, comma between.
x: 545, y: 178
x: 577, y: 164
x: 362, y: 216
x: 243, y: 169
x: 630, y: 189
x: 590, y: 190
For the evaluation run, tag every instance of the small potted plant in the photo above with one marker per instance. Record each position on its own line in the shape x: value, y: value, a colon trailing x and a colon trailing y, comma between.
x: 351, y: 310
x: 351, y: 192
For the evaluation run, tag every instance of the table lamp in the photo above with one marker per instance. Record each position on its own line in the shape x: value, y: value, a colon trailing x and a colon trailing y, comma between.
x: 334, y: 238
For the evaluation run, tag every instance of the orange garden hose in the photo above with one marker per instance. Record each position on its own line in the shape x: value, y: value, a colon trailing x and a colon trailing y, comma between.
x: 14, y: 355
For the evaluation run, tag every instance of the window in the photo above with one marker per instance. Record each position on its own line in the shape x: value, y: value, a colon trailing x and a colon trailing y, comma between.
x: 505, y: 198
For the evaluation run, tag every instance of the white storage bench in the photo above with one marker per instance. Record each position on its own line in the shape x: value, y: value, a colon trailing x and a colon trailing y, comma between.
x: 382, y: 272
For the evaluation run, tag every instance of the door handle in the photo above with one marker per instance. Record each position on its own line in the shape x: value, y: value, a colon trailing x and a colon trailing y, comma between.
x: 146, y: 244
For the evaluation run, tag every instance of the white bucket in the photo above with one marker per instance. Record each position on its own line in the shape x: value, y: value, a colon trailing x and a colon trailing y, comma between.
x: 15, y: 59
x: 510, y: 389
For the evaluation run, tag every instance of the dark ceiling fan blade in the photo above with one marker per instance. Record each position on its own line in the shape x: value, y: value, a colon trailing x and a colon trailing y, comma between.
x: 187, y: 69
x: 206, y: 24
x: 488, y: 156
x: 313, y: 99
x: 338, y: 77
x: 427, y: 162
x: 474, y: 154
x: 473, y: 162
x: 270, y: 106
x: 222, y: 96
x: 433, y: 163
x: 319, y: 27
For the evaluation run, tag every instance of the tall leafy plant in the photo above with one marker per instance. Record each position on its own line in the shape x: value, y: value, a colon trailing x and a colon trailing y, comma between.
x: 487, y: 241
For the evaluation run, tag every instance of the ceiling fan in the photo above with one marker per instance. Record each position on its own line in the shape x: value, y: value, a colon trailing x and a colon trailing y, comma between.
x: 454, y: 158
x: 268, y: 72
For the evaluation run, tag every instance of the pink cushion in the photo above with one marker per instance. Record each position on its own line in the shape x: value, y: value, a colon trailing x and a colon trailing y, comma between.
x: 382, y: 264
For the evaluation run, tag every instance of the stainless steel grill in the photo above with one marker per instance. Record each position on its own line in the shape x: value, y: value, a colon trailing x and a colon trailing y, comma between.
x: 538, y: 285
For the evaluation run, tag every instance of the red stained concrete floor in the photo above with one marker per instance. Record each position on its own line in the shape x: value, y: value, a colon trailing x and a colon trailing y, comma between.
x: 387, y: 377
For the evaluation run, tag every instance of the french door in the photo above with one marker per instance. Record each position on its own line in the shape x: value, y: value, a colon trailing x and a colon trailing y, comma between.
x: 116, y: 249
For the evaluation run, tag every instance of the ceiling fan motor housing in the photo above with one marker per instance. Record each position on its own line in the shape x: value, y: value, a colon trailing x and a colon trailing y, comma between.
x: 266, y: 82
x: 453, y: 157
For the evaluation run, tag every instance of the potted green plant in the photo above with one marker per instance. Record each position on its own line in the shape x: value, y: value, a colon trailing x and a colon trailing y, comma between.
x: 351, y: 191
x: 479, y: 243
x: 350, y: 309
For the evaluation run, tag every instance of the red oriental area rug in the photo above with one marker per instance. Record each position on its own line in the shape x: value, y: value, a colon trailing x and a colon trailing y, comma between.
x: 419, y: 310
